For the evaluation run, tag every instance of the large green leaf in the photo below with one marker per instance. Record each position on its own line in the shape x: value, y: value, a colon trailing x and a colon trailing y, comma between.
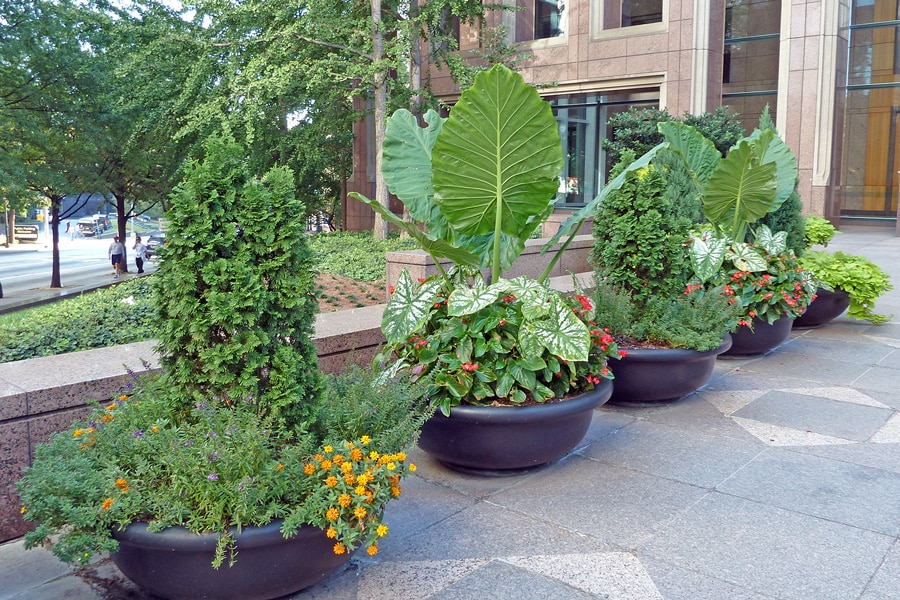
x: 562, y: 333
x: 408, y: 309
x: 698, y: 152
x: 533, y: 296
x: 773, y: 149
x: 436, y: 247
x: 407, y: 166
x: 496, y: 162
x: 773, y: 243
x: 740, y: 190
x: 574, y: 222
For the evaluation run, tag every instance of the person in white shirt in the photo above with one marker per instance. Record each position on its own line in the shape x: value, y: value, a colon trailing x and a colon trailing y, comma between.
x: 116, y: 252
x: 140, y: 254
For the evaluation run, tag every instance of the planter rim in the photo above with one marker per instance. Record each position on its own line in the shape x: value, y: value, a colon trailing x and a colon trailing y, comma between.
x: 674, y: 354
x: 522, y: 414
x: 252, y: 536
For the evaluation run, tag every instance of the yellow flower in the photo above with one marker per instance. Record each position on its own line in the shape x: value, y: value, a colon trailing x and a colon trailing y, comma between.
x: 123, y: 397
x: 332, y: 514
x: 347, y: 467
x: 372, y: 550
x: 391, y: 466
x: 412, y: 467
x: 363, y: 479
x: 328, y: 449
x: 373, y: 455
x: 331, y: 481
x: 401, y: 456
x: 339, y: 548
x: 155, y: 429
x: 78, y: 433
x: 111, y: 406
x: 331, y: 533
x: 107, y: 504
x: 382, y: 530
x: 344, y: 500
x: 22, y: 510
x: 360, y: 512
x: 309, y: 469
x: 279, y: 467
x: 360, y: 490
x: 365, y: 439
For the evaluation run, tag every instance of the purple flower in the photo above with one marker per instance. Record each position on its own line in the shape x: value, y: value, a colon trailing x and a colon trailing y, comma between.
x: 138, y: 434
x: 212, y: 476
x: 213, y: 457
x: 189, y: 442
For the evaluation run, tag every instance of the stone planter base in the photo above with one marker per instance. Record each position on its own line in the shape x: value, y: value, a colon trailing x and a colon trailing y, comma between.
x: 176, y: 564
x: 660, y: 375
x: 828, y: 305
x: 763, y: 338
x: 510, y: 440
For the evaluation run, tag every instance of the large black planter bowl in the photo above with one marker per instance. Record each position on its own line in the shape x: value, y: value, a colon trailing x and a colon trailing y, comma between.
x: 647, y: 375
x: 176, y: 564
x: 763, y: 338
x: 828, y: 305
x: 509, y: 440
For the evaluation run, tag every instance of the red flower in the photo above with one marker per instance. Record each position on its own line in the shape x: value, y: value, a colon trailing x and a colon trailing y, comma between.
x: 470, y: 367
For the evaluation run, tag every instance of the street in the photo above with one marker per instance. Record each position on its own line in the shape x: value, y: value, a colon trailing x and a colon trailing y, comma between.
x: 28, y: 266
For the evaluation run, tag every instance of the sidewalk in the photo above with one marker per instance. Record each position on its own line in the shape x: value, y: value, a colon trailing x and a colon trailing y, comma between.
x: 780, y: 479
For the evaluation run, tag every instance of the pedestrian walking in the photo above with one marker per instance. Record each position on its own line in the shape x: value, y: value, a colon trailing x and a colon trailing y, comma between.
x: 140, y: 254
x: 116, y: 252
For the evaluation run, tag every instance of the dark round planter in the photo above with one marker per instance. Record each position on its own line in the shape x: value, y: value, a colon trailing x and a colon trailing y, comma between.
x: 763, y: 338
x: 176, y: 564
x: 659, y: 375
x: 509, y: 440
x: 828, y: 305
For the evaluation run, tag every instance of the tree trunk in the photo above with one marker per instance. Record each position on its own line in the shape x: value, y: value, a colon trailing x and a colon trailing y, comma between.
x: 55, y: 279
x: 381, y: 229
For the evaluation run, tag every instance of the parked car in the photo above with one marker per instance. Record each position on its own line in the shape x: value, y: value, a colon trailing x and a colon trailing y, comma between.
x: 90, y: 226
x: 154, y: 243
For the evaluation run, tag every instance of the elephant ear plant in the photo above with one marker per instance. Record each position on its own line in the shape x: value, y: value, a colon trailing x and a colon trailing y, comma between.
x: 757, y: 176
x: 477, y: 185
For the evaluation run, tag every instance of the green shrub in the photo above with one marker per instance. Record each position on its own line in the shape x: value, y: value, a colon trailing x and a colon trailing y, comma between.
x: 121, y: 314
x: 863, y: 280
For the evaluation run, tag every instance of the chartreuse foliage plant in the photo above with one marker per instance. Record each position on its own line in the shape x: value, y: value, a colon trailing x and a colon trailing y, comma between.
x: 477, y: 185
x: 862, y: 280
x: 241, y: 428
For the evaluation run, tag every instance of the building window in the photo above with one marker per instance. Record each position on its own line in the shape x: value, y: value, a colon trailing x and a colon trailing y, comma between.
x: 750, y: 61
x: 540, y: 19
x: 583, y: 122
x: 631, y: 13
x: 869, y: 178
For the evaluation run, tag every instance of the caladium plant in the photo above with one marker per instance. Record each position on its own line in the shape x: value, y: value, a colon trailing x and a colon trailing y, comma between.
x: 478, y: 185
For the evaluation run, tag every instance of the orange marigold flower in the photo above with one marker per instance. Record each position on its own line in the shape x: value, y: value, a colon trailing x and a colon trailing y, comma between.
x: 360, y: 512
x: 78, y: 433
x: 344, y: 500
x: 347, y: 467
x: 318, y: 457
x: 356, y: 454
x: 123, y: 397
x: 107, y: 418
x: 339, y: 548
x: 349, y: 478
x: 372, y: 550
x: 332, y: 514
x: 121, y: 483
x: 338, y: 459
x: 331, y: 533
x: 111, y: 406
x: 309, y: 469
x: 325, y: 465
x: 360, y: 490
x: 155, y: 429
x: 331, y: 481
x: 107, y: 503
x: 396, y: 490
